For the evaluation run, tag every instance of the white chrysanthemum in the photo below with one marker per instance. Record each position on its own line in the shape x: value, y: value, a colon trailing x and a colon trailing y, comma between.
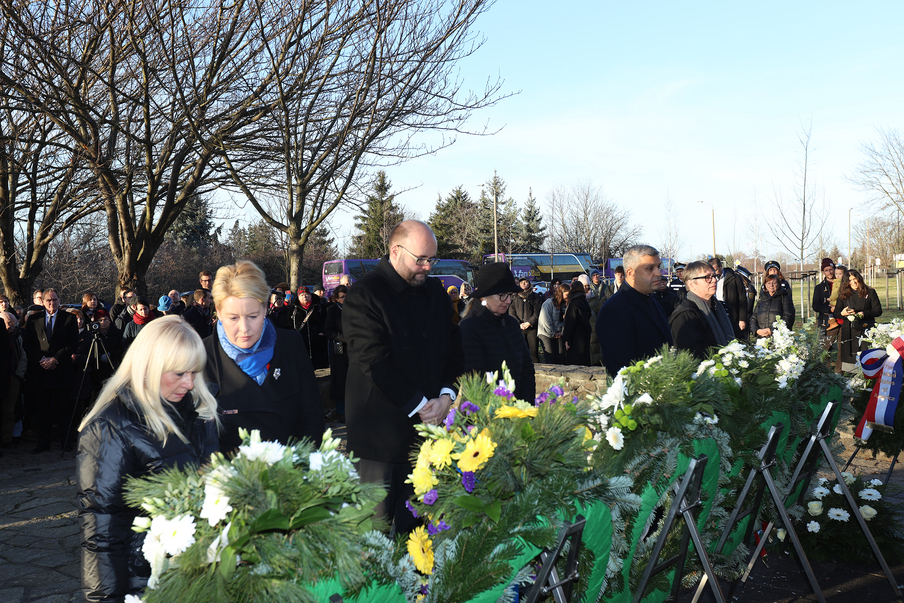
x: 133, y: 599
x: 819, y: 492
x: 813, y: 526
x: 781, y: 534
x: 706, y: 364
x: 175, y: 535
x: 219, y: 543
x: 739, y: 381
x: 875, y: 482
x: 743, y: 364
x: 869, y: 494
x: 823, y: 481
x: 814, y: 508
x: 644, y: 399
x: 615, y: 395
x: 269, y: 452
x: 216, y: 505
x: 868, y: 512
x: 848, y: 477
x: 156, y: 556
x: 615, y: 438
x: 652, y: 361
x: 838, y: 514
x: 603, y: 421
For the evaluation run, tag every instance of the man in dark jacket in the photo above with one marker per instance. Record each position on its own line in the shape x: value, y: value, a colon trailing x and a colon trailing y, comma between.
x: 700, y: 322
x: 821, y: 294
x: 631, y: 325
x: 49, y: 340
x: 730, y: 290
x: 526, y: 309
x: 404, y: 357
x: 198, y: 316
x: 677, y: 283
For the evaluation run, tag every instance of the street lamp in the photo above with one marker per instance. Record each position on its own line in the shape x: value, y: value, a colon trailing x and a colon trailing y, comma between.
x: 714, y: 224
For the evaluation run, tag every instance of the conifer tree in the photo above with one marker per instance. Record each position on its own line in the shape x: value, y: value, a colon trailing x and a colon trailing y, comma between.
x: 531, y: 230
x: 453, y: 222
x: 506, y: 217
x: 376, y: 222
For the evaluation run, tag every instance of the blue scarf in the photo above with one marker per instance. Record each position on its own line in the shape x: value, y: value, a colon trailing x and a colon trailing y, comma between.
x: 254, y: 360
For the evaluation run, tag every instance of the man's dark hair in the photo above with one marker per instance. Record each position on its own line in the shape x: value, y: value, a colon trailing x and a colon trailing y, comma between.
x: 620, y: 270
x: 715, y: 262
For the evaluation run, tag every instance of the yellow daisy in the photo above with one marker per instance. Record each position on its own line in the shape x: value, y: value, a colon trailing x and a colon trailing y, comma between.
x: 513, y: 412
x: 420, y: 547
x: 477, y: 451
x: 422, y: 478
x: 423, y: 455
x: 440, y: 453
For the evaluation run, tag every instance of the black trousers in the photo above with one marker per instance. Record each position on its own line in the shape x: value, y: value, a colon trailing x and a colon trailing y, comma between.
x: 55, y: 406
x: 392, y: 508
x: 533, y: 344
x: 553, y: 349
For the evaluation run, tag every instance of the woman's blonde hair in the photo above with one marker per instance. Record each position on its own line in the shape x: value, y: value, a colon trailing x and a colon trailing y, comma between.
x: 242, y: 279
x: 163, y: 345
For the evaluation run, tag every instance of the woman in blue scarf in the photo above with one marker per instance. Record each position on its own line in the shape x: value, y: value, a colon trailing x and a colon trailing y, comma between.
x: 261, y: 377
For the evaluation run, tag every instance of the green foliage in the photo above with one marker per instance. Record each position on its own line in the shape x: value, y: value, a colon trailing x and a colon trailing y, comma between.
x: 194, y: 226
x: 452, y: 221
x: 531, y: 232
x: 375, y: 223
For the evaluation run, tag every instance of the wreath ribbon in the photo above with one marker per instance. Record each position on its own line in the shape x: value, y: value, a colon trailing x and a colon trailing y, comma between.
x: 885, y: 365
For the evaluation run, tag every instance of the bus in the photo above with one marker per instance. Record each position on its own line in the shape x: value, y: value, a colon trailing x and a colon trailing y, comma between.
x: 545, y: 266
x: 449, y: 272
x: 613, y: 263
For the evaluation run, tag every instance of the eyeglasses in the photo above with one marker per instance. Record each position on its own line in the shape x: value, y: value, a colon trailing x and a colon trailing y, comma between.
x: 422, y: 261
x: 505, y: 296
x: 706, y: 277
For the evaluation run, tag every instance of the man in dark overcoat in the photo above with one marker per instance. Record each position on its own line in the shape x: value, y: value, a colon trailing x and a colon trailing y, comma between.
x: 404, y: 357
x: 49, y: 340
x: 631, y: 324
x: 731, y: 291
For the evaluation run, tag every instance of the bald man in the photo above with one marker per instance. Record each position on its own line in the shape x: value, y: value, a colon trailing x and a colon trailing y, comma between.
x: 404, y: 357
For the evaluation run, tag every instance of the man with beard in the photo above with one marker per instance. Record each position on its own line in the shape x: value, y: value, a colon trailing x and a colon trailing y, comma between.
x: 404, y: 356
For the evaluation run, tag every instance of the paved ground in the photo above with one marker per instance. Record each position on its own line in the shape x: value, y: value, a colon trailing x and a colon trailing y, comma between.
x: 39, y: 540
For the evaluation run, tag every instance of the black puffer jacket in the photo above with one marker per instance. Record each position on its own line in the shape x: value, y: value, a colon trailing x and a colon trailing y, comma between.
x: 770, y: 307
x: 576, y: 330
x: 114, y: 446
x: 488, y: 339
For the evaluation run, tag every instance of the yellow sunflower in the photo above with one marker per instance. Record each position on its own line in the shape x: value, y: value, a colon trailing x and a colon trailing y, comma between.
x: 422, y: 478
x: 477, y: 451
x: 440, y: 453
x: 420, y: 547
x: 513, y: 412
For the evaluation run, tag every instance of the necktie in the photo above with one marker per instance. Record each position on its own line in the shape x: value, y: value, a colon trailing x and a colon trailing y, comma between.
x: 50, y: 325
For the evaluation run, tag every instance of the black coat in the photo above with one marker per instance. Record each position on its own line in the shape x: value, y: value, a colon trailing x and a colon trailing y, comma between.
x: 690, y: 329
x: 61, y: 344
x: 770, y: 307
x: 332, y: 328
x: 285, y: 407
x: 821, y: 294
x: 576, y: 330
x: 668, y: 299
x: 487, y: 340
x: 114, y: 446
x: 403, y: 348
x: 630, y: 326
x: 526, y: 309
x: 309, y: 322
x: 199, y: 320
x: 734, y: 298
x: 849, y: 344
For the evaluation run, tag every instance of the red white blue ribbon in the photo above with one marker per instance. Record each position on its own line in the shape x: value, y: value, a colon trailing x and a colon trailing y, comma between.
x: 887, y: 367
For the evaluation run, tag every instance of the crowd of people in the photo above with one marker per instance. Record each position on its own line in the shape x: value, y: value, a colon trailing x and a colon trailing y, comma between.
x: 144, y: 386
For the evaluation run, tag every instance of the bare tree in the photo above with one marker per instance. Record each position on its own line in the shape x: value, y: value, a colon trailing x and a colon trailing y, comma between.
x: 371, y: 77
x: 671, y: 238
x: 583, y: 220
x: 881, y: 173
x: 150, y: 93
x: 801, y: 217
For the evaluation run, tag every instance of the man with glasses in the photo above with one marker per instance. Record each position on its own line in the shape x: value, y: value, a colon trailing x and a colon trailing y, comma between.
x: 206, y: 279
x: 631, y: 324
x: 731, y: 291
x: 701, y: 321
x: 125, y: 294
x: 404, y: 356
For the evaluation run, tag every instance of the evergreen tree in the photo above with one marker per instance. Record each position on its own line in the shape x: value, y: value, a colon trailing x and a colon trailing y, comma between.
x: 531, y: 230
x: 194, y: 226
x: 506, y: 218
x: 375, y: 224
x: 321, y: 247
x: 238, y: 240
x: 453, y: 223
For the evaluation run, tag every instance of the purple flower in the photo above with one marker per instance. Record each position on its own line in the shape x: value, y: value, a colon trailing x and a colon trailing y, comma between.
x: 556, y: 390
x: 430, y: 497
x: 544, y: 397
x: 470, y: 428
x: 468, y: 481
x: 433, y: 530
x: 503, y: 392
x: 469, y: 407
x: 450, y: 419
x: 410, y: 508
x: 424, y: 590
x: 574, y: 400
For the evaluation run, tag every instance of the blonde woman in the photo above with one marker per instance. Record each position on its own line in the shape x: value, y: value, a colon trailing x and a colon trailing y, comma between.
x: 262, y: 376
x: 155, y: 412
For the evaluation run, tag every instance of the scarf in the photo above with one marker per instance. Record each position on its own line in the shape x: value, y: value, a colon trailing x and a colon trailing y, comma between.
x: 138, y: 319
x: 716, y: 318
x: 309, y: 304
x: 252, y: 361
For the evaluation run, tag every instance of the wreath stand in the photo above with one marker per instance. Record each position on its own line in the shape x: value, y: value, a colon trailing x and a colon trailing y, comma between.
x: 689, y: 489
x: 890, y: 469
x: 763, y: 478
x: 548, y: 577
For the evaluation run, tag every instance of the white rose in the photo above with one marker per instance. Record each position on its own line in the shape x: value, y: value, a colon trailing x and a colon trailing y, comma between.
x: 814, y: 508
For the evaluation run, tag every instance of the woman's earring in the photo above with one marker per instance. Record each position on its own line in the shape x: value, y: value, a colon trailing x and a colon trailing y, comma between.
x: 483, y: 302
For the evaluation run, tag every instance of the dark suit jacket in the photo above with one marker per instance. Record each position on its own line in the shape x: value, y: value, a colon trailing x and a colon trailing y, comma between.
x: 734, y: 292
x: 691, y: 331
x: 61, y: 344
x: 286, y: 406
x: 402, y: 348
x: 630, y: 326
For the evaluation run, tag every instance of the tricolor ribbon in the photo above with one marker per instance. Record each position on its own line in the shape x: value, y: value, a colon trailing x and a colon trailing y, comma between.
x: 887, y: 367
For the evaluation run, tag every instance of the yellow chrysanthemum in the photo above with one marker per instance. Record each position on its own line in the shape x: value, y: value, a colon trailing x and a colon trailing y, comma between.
x: 441, y: 453
x: 422, y: 478
x: 423, y: 455
x: 513, y: 412
x: 477, y: 451
x: 420, y: 547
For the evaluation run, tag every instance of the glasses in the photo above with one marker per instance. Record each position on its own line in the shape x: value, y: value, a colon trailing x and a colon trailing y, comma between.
x: 422, y: 261
x: 505, y: 296
x: 707, y: 277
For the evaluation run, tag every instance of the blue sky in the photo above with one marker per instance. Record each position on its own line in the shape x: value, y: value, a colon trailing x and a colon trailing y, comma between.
x: 691, y: 101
